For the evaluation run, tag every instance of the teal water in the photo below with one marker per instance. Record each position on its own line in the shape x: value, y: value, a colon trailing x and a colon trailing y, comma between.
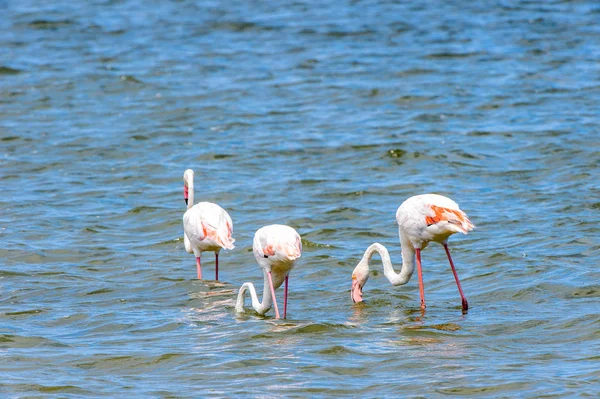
x: 324, y: 117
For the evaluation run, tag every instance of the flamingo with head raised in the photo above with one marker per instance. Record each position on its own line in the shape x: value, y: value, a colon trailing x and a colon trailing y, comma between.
x: 206, y: 226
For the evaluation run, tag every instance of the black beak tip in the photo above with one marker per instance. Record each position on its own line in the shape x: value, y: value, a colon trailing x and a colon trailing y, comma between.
x: 185, y: 199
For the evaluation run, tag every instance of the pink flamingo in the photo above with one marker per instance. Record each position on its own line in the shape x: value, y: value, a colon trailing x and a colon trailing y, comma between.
x: 206, y: 226
x: 276, y: 248
x: 421, y: 219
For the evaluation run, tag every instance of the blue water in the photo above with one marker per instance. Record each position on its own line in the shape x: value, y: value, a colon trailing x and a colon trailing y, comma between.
x: 323, y: 116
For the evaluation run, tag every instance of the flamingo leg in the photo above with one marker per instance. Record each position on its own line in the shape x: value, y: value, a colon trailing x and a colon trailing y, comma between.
x: 199, y: 268
x: 420, y: 272
x: 465, y: 304
x: 285, y: 295
x: 273, y: 295
x: 216, y: 266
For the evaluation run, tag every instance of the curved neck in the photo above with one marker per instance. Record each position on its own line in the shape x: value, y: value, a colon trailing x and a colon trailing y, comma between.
x: 260, y: 307
x: 408, y: 264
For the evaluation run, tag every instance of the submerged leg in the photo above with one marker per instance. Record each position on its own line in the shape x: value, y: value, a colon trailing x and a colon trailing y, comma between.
x: 285, y: 294
x: 216, y: 266
x: 420, y: 272
x: 273, y: 295
x: 465, y: 304
x: 199, y: 268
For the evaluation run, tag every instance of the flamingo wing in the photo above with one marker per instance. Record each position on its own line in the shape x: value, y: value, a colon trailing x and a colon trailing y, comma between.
x: 452, y: 216
x: 277, y: 240
x: 210, y: 224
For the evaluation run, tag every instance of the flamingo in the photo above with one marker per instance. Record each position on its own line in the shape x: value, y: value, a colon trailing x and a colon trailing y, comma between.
x: 206, y: 226
x: 276, y: 248
x: 421, y: 219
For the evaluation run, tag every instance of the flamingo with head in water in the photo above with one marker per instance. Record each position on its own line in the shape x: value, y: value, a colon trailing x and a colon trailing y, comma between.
x: 206, y: 226
x: 421, y: 219
x: 276, y: 248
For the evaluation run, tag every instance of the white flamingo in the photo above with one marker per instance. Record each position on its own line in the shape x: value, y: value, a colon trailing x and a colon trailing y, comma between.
x: 276, y: 248
x: 206, y: 226
x: 421, y: 219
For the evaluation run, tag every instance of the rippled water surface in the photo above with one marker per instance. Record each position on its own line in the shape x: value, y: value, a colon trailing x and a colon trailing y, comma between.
x: 324, y: 116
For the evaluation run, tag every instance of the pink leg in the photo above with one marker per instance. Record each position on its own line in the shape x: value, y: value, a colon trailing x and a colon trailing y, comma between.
x: 216, y: 266
x: 285, y: 293
x: 465, y: 304
x: 199, y: 268
x: 420, y: 271
x: 273, y: 295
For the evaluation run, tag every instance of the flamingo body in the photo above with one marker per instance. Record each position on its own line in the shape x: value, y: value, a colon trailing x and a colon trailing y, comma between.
x: 430, y: 217
x: 276, y: 249
x: 421, y: 219
x: 206, y: 226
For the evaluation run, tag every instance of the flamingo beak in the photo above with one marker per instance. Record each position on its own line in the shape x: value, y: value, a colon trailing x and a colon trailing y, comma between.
x: 356, y: 291
x: 185, y: 193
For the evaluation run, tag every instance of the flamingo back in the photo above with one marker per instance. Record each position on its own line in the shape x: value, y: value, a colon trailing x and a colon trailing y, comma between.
x: 209, y: 227
x: 277, y: 242
x: 431, y: 217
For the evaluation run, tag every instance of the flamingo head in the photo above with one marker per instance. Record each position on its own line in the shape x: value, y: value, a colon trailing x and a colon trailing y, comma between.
x: 360, y: 275
x: 188, y: 181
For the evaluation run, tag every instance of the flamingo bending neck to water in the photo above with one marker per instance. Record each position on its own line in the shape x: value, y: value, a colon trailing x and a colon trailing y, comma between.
x: 206, y: 226
x: 421, y: 219
x: 276, y: 248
